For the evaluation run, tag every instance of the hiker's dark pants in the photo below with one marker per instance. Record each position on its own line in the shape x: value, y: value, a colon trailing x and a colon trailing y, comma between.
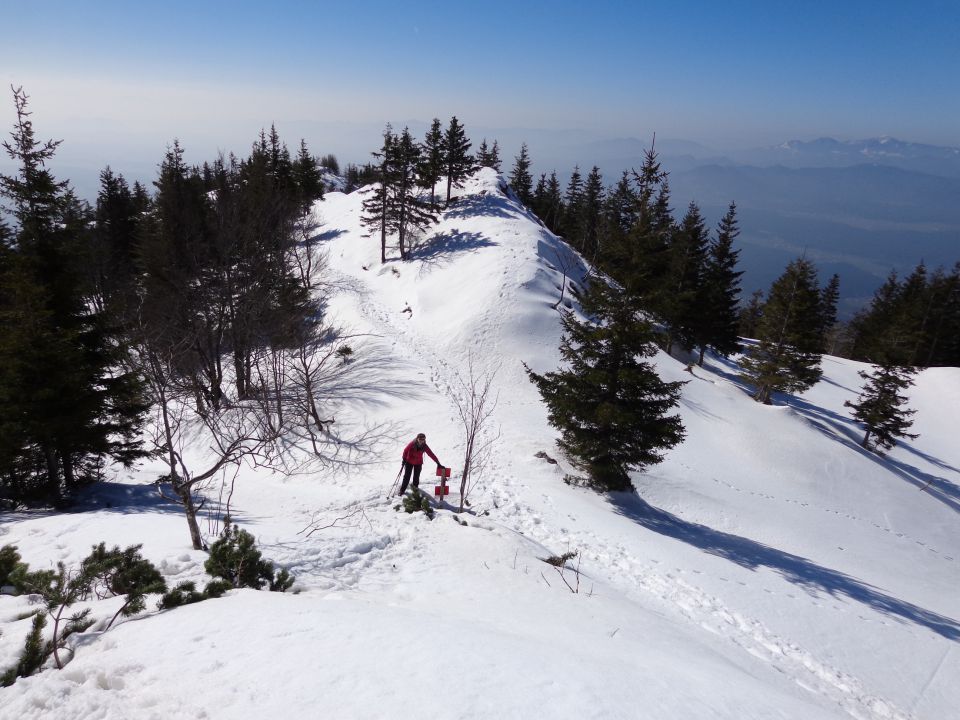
x: 407, y: 468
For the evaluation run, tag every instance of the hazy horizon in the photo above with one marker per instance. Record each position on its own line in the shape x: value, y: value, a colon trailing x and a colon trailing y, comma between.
x: 118, y: 86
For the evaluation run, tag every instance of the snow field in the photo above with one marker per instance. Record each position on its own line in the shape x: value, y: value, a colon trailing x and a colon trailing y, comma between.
x: 771, y: 570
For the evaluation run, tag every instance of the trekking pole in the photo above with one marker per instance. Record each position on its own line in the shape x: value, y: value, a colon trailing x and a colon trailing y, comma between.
x: 396, y: 481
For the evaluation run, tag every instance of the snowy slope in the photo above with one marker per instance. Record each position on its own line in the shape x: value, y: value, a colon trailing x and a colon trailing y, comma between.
x: 772, y: 569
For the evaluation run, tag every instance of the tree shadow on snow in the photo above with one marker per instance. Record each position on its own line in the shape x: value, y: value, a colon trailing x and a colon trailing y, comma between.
x: 326, y: 236
x: 441, y: 249
x: 482, y: 205
x: 848, y: 432
x: 793, y: 568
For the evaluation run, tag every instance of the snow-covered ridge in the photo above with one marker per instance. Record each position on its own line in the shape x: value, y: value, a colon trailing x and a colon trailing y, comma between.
x: 771, y: 569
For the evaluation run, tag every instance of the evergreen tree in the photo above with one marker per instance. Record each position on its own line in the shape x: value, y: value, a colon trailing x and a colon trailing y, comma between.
x: 572, y: 201
x: 748, y: 320
x: 432, y: 160
x: 619, y: 216
x: 520, y: 178
x: 483, y: 154
x: 590, y: 214
x: 457, y: 161
x: 829, y: 296
x: 376, y: 206
x: 113, y: 251
x: 640, y: 261
x: 719, y: 311
x: 787, y: 356
x: 406, y: 212
x: 880, y: 407
x: 609, y: 404
x: 539, y: 196
x: 66, y: 402
x: 552, y: 204
x: 307, y: 178
x: 682, y: 307
x: 495, y: 162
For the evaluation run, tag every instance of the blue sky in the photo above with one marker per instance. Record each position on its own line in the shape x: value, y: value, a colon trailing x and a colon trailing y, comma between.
x: 132, y: 76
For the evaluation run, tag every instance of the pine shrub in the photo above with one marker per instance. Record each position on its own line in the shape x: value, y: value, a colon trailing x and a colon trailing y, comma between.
x: 236, y: 559
x: 186, y: 593
x: 416, y: 501
x: 9, y: 559
x: 35, y: 652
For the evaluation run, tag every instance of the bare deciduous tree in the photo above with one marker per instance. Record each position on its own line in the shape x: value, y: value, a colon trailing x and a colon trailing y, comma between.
x: 476, y: 401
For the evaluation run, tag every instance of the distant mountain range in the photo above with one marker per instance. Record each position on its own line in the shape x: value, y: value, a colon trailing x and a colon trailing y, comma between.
x: 828, y: 152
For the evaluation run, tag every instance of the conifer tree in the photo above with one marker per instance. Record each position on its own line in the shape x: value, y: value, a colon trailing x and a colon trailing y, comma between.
x: 520, y: 179
x: 113, y: 251
x: 748, y: 320
x: 539, y: 199
x: 609, y: 404
x: 880, y: 407
x: 553, y: 203
x: 787, y: 356
x: 457, y: 161
x: 432, y: 160
x: 307, y: 177
x: 619, y: 216
x: 495, y: 162
x: 406, y: 212
x: 376, y: 206
x: 572, y: 200
x: 719, y: 311
x: 829, y: 297
x: 66, y: 402
x: 640, y: 261
x: 682, y: 307
x: 590, y: 214
x: 483, y: 154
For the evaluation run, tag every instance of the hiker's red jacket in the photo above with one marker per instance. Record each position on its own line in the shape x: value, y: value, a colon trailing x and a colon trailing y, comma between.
x: 412, y: 455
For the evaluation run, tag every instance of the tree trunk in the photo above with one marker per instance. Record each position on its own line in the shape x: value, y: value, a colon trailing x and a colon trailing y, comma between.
x: 65, y: 460
x: 191, y: 512
x: 866, y: 440
x: 700, y: 361
x: 53, y: 471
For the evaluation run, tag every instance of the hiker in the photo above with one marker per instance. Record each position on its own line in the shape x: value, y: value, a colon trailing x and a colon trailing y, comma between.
x: 413, y: 461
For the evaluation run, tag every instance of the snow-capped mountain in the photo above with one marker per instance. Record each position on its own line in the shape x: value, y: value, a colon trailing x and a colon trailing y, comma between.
x: 829, y: 152
x: 769, y: 568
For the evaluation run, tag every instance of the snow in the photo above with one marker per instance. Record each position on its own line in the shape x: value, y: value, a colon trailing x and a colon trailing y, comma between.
x: 769, y: 568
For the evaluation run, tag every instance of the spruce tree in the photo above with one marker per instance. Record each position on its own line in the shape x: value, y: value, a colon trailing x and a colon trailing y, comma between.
x: 406, y: 211
x: 829, y: 297
x: 682, y: 306
x: 113, y: 252
x: 495, y: 162
x: 483, y: 154
x: 65, y: 397
x: 539, y: 199
x: 787, y: 356
x: 590, y: 214
x: 572, y: 202
x: 376, y: 206
x: 719, y: 312
x: 432, y: 160
x: 307, y: 177
x: 640, y: 261
x: 457, y: 161
x: 619, y: 216
x: 608, y: 402
x: 749, y: 316
x: 880, y: 407
x: 520, y: 179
